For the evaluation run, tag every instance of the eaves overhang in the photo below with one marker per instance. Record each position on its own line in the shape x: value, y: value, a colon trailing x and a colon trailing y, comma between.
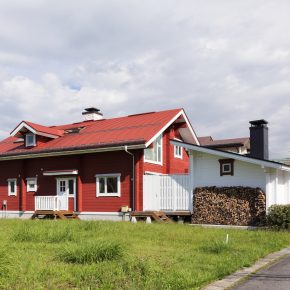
x: 83, y: 149
x: 216, y: 152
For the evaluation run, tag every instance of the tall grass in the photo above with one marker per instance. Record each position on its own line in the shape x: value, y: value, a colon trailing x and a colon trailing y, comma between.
x: 48, y: 233
x: 215, y: 247
x: 91, y: 252
x: 111, y: 255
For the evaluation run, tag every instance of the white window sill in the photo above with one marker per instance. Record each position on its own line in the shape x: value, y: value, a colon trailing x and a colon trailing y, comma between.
x: 178, y: 157
x: 108, y: 195
x: 153, y: 162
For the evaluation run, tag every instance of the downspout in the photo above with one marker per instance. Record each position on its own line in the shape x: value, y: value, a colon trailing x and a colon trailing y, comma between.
x: 133, y: 177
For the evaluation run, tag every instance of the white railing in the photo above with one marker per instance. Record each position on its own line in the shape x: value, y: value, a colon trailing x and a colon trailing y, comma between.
x: 167, y: 192
x: 51, y: 202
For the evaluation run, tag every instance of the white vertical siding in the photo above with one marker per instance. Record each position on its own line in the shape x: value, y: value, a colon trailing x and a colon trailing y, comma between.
x: 167, y: 192
x: 207, y: 173
x: 278, y: 187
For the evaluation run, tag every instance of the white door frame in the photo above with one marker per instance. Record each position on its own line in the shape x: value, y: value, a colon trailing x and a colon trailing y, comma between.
x: 66, y: 179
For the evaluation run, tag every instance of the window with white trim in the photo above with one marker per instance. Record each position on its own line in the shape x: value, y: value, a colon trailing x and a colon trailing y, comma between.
x: 177, y: 151
x: 30, y: 140
x: 12, y: 187
x: 108, y: 185
x: 153, y: 154
x: 31, y: 184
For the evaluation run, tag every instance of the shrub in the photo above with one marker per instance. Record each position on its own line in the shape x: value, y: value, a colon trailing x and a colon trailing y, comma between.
x: 91, y: 253
x: 279, y: 217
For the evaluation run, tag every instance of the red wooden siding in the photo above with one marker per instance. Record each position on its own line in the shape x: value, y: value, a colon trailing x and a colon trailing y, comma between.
x: 102, y: 163
x: 170, y: 164
x: 11, y: 169
x: 87, y: 165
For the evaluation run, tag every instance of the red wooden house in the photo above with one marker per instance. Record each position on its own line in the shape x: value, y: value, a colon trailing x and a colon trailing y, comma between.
x: 93, y: 167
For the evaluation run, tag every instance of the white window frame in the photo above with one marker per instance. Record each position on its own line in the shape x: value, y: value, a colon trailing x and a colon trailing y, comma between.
x: 9, y: 187
x: 116, y: 194
x: 66, y: 179
x: 26, y: 140
x: 28, y: 180
x: 178, y: 152
x: 161, y: 152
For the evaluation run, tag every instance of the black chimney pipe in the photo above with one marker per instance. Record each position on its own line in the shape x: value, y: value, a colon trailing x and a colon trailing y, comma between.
x: 259, y: 139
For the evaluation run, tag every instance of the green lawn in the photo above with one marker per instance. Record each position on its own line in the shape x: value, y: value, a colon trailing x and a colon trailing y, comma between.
x: 115, y: 255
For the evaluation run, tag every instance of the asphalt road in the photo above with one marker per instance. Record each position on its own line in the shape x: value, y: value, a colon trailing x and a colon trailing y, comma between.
x: 276, y: 276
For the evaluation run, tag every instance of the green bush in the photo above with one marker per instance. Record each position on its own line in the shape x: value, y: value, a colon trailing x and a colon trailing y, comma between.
x: 91, y: 253
x: 279, y: 217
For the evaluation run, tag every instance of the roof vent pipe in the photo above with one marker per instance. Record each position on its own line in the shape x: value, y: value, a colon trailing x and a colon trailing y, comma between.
x: 92, y: 114
x: 259, y: 139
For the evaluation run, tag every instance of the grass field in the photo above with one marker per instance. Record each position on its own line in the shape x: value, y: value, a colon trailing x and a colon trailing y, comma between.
x: 111, y: 255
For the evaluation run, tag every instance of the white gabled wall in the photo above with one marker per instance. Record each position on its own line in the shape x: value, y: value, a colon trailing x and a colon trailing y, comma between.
x: 205, y: 171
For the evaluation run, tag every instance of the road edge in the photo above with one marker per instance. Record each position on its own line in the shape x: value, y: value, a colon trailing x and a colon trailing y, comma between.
x: 233, y: 279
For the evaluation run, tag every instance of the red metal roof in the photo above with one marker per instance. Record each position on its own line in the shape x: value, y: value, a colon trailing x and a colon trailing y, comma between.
x: 133, y: 129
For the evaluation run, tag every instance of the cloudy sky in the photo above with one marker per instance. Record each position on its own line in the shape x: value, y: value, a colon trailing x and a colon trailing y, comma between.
x: 224, y: 62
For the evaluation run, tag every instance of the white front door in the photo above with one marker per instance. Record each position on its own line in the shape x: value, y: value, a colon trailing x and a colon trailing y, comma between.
x: 62, y: 187
x: 67, y: 187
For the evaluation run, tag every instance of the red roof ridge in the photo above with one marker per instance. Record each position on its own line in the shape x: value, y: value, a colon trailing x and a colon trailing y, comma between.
x: 92, y: 122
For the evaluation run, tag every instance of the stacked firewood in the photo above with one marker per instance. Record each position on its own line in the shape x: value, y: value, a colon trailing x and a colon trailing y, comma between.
x: 229, y: 206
